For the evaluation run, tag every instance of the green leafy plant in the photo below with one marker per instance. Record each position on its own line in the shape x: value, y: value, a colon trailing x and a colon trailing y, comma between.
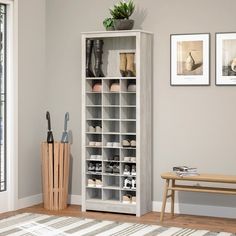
x: 108, y: 23
x: 122, y: 10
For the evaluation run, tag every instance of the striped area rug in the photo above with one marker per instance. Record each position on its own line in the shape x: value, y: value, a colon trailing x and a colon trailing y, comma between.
x: 29, y: 224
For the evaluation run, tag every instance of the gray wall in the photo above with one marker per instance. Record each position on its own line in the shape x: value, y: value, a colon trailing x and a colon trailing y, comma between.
x: 192, y: 125
x: 32, y: 94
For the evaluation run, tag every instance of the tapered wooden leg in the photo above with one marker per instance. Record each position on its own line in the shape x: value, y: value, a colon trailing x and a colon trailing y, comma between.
x: 172, y: 198
x: 164, y: 199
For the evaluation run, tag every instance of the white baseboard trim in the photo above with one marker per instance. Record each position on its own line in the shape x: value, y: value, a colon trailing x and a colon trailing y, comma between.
x: 191, y: 209
x: 75, y: 199
x: 37, y: 199
x: 194, y: 209
x: 29, y: 201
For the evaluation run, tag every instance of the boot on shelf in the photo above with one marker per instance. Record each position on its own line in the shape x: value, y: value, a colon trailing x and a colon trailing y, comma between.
x: 98, y: 50
x: 130, y: 65
x: 123, y: 63
x: 89, y: 48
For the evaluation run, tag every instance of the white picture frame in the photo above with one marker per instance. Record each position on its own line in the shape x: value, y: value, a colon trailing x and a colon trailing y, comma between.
x: 225, y: 58
x: 190, y: 59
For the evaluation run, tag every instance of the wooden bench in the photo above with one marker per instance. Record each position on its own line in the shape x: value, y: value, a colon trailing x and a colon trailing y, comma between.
x: 210, y: 178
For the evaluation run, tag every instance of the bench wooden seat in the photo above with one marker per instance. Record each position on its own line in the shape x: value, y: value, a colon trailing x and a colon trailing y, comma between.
x: 210, y: 178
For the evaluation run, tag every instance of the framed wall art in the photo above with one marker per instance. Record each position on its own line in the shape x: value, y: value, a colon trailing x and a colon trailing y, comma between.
x: 225, y: 58
x: 190, y: 59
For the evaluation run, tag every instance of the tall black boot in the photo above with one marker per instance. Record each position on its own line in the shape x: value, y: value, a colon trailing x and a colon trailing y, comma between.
x: 89, y: 48
x: 98, y: 45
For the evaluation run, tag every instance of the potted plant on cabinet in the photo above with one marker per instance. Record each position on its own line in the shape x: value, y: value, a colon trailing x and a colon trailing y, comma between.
x: 121, y: 13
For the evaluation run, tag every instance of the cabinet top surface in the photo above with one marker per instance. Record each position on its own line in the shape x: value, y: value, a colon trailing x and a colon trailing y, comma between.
x: 115, y: 32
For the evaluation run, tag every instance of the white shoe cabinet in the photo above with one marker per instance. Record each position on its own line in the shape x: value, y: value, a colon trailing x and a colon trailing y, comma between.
x: 123, y: 115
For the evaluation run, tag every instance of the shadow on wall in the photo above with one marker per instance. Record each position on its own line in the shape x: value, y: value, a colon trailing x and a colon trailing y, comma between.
x: 139, y: 17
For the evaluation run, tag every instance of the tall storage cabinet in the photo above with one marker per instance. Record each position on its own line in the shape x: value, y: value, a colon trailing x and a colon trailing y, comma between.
x: 117, y: 126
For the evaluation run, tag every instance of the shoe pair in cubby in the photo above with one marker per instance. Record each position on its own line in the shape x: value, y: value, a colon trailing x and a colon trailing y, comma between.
x: 95, y: 157
x: 94, y: 183
x: 96, y: 129
x: 128, y: 199
x: 95, y: 167
x: 112, y: 168
x: 95, y: 144
x: 128, y: 143
x: 129, y: 183
x: 129, y: 170
x: 129, y: 159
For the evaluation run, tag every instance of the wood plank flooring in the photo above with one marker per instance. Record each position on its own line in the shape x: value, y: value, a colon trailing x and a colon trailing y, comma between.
x: 187, y: 221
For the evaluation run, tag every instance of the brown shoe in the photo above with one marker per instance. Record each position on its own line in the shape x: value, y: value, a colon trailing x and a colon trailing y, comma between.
x: 123, y: 63
x: 130, y: 64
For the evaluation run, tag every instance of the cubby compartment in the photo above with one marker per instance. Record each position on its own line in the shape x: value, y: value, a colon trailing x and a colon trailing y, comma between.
x: 94, y: 167
x: 128, y: 113
x: 111, y: 86
x: 94, y: 99
x: 128, y: 155
x: 126, y: 169
x: 111, y: 168
x: 93, y: 126
x: 94, y: 194
x: 128, y: 85
x: 111, y: 195
x: 93, y: 153
x: 94, y: 86
x: 128, y: 127
x: 128, y: 99
x: 128, y: 197
x: 111, y: 53
x: 94, y: 140
x: 111, y: 182
x: 110, y: 99
x: 111, y: 140
x: 111, y: 126
x: 111, y: 113
x: 111, y: 154
x: 94, y: 112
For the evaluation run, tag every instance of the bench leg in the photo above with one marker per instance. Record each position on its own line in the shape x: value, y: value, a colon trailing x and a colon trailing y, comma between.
x: 164, y: 199
x: 172, y: 198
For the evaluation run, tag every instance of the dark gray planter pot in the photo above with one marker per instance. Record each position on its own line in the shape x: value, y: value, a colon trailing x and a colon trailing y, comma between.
x: 123, y: 24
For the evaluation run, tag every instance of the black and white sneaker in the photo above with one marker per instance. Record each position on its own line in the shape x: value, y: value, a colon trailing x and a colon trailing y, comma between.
x: 126, y: 170
x: 127, y: 183
x: 91, y: 167
x: 98, y: 167
x: 133, y: 170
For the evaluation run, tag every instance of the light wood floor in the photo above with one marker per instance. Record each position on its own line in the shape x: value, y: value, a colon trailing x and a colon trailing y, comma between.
x: 188, y: 221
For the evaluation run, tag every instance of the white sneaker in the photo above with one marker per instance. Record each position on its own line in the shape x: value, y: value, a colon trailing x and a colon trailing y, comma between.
x: 126, y: 199
x: 98, y: 183
x: 91, y: 183
x: 127, y: 159
x: 133, y: 200
x: 133, y: 183
x: 133, y: 159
